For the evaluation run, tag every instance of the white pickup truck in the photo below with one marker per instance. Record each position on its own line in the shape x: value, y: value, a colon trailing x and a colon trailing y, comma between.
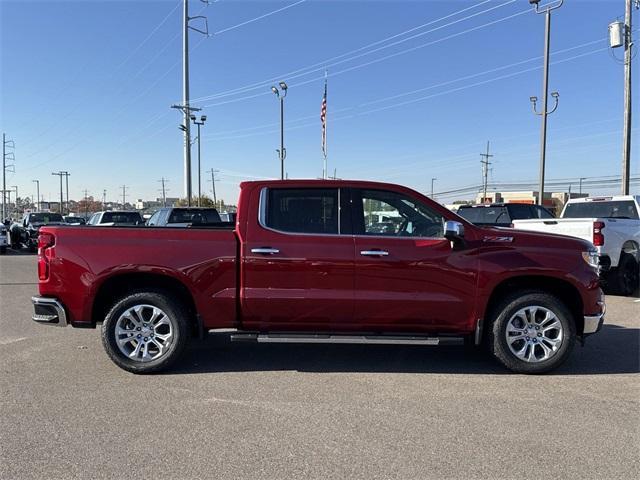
x: 612, y: 224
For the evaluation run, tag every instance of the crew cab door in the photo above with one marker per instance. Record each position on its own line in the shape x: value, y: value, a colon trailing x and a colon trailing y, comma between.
x: 298, y: 262
x: 408, y: 276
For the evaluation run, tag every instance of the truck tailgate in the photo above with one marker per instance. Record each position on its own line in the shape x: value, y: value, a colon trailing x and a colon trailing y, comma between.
x: 573, y: 227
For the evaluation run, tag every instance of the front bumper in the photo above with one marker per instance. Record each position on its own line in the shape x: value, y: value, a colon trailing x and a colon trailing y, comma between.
x: 593, y: 323
x: 48, y: 311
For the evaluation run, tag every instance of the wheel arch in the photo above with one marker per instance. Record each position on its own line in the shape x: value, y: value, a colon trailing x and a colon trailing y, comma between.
x: 117, y: 286
x: 562, y: 289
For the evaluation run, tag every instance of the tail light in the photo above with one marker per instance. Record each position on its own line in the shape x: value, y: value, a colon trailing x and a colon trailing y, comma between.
x: 598, y: 237
x: 45, y: 242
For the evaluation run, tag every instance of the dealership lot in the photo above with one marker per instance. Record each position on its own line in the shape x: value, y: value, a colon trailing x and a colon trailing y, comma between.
x: 310, y: 411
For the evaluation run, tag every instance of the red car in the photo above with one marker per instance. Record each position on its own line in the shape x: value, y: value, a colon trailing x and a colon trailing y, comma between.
x: 306, y: 262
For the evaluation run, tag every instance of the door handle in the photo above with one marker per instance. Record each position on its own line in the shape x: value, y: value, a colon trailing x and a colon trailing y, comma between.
x: 374, y: 253
x: 265, y: 250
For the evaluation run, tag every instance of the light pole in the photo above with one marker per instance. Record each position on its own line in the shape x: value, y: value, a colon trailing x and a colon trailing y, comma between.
x: 433, y: 179
x: 546, y: 9
x: 203, y: 119
x: 581, y: 178
x: 282, y: 152
x: 37, y: 182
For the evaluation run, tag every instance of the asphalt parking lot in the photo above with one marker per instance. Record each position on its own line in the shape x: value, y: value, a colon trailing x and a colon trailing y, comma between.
x: 312, y: 411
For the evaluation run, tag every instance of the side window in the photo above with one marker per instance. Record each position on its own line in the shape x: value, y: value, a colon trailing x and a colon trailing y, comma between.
x: 154, y: 218
x: 520, y: 211
x: 542, y: 212
x: 304, y: 210
x: 396, y: 215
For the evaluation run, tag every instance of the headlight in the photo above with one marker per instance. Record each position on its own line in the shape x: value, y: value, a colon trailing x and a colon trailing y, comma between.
x: 592, y: 258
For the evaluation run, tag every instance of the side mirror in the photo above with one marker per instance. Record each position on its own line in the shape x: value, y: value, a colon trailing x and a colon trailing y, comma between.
x: 454, y: 232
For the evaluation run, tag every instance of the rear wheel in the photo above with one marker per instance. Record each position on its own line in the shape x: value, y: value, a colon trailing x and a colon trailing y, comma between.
x: 3, y: 250
x: 532, y: 332
x: 145, y: 332
x: 624, y: 279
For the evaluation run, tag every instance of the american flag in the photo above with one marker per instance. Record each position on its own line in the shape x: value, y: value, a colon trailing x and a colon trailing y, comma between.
x: 323, y: 119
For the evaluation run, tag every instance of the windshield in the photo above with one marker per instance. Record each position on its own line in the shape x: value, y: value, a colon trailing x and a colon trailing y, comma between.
x: 608, y: 209
x: 45, y: 218
x: 194, y: 215
x: 490, y: 215
x: 121, y: 217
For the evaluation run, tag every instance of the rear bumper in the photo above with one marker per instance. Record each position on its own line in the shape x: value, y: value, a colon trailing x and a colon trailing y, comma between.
x: 593, y: 323
x: 48, y: 311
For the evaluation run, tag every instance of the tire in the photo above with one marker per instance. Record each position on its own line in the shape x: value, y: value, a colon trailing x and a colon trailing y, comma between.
x: 136, y: 314
x: 3, y: 250
x: 623, y: 280
x: 541, y: 349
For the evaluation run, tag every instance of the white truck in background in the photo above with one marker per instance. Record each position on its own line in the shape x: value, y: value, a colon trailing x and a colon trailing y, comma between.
x: 612, y: 224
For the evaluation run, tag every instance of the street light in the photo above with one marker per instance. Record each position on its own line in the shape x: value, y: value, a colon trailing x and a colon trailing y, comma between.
x: 546, y: 9
x: 282, y: 152
x: 432, y: 181
x: 203, y: 119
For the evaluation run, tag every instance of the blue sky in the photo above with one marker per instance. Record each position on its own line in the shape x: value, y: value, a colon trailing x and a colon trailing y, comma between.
x: 87, y: 86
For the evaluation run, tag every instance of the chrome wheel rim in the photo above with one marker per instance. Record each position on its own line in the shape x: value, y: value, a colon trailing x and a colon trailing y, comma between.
x: 534, y: 334
x: 144, y: 333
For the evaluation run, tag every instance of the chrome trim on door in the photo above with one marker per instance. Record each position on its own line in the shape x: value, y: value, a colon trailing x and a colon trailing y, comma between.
x: 265, y: 250
x: 374, y: 253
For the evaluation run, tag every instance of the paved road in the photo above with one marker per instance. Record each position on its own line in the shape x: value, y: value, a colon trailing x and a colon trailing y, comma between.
x: 280, y: 411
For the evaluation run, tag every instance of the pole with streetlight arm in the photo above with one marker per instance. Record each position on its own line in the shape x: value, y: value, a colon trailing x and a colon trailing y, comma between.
x: 282, y: 152
x: 546, y: 9
x: 433, y: 179
x: 203, y: 119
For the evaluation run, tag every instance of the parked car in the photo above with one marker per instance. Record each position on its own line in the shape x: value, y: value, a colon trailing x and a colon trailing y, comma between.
x: 26, y: 232
x: 184, y: 216
x: 70, y: 220
x: 302, y: 264
x: 4, y: 239
x: 612, y: 224
x: 115, y: 217
x: 501, y: 214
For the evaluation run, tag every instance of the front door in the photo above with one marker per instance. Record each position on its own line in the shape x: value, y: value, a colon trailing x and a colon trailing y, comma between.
x: 408, y: 277
x: 298, y: 262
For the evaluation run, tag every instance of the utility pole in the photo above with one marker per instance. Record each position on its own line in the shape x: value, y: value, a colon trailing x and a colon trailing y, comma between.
x: 10, y: 144
x: 581, y: 178
x: 60, y: 174
x: 15, y: 187
x: 104, y: 199
x: 282, y: 152
x: 185, y: 106
x: 626, y: 133
x: 547, y: 9
x: 86, y: 206
x: 124, y: 196
x: 485, y: 172
x: 213, y: 186
x: 433, y: 179
x: 164, y: 196
x: 37, y: 182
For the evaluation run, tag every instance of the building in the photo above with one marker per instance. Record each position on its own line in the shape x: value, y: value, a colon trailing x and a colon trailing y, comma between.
x: 554, y: 201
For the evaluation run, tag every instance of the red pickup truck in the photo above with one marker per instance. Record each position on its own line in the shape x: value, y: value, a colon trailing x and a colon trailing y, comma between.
x: 323, y: 261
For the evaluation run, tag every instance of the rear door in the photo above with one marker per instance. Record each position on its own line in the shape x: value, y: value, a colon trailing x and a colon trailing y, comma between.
x: 408, y: 277
x: 298, y: 262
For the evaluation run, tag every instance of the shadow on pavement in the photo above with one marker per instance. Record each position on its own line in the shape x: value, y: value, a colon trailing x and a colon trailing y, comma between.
x: 614, y: 350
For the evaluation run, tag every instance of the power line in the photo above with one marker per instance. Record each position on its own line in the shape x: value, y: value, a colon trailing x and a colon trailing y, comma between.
x: 321, y: 66
x: 258, y: 18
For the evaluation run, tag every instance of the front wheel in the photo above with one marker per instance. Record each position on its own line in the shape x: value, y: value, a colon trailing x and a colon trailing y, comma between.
x: 532, y: 332
x: 145, y: 332
x: 624, y: 279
